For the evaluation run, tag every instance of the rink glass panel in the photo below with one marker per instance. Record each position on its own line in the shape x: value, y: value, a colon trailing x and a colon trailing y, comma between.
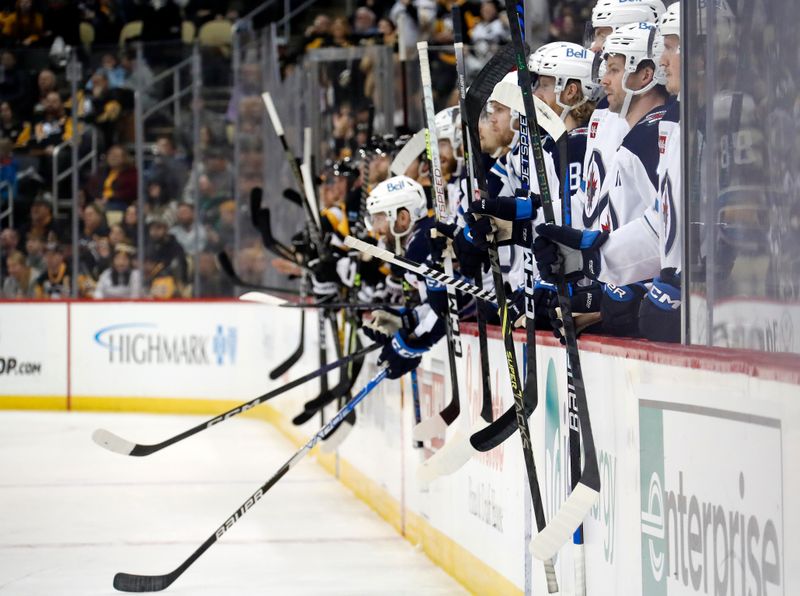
x: 741, y: 174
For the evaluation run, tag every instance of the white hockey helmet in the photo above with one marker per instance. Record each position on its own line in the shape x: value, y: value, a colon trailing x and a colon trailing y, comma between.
x: 448, y: 126
x: 508, y: 93
x: 637, y: 42
x: 670, y: 22
x: 615, y: 13
x: 393, y: 194
x: 566, y: 61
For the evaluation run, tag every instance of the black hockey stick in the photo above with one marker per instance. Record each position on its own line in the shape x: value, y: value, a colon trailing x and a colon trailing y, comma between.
x: 117, y: 444
x: 129, y: 582
x: 226, y: 266
x: 577, y: 506
x: 483, y: 342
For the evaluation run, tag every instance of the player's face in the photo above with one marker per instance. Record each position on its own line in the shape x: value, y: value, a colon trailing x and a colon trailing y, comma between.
x: 545, y: 89
x: 671, y: 61
x: 447, y: 157
x: 500, y: 122
x: 612, y: 82
x: 600, y: 34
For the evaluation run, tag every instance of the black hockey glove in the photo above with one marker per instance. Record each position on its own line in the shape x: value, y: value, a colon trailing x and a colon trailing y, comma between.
x: 620, y: 309
x: 400, y: 355
x: 660, y: 311
x: 578, y: 250
x: 470, y: 257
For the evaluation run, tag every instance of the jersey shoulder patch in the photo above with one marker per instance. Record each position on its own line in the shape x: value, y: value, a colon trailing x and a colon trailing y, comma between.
x: 643, y: 142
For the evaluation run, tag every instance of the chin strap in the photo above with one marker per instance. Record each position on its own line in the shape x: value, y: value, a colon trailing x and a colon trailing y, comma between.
x: 630, y: 93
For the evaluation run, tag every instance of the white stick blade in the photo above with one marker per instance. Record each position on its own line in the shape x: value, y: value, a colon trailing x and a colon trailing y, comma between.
x: 332, y: 442
x: 448, y: 460
x: 112, y: 442
x: 262, y: 298
x: 561, y: 527
x: 435, y: 426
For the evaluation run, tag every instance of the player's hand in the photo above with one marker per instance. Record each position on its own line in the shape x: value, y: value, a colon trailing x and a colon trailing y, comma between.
x: 578, y: 251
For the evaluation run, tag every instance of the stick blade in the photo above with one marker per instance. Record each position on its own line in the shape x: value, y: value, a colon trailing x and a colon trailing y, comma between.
x: 559, y: 531
x: 448, y: 460
x: 108, y: 440
x: 128, y: 582
x: 262, y: 298
x: 435, y: 426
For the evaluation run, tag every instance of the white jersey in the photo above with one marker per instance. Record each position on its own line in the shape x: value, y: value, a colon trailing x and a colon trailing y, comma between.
x: 606, y: 132
x: 631, y: 180
x: 640, y: 249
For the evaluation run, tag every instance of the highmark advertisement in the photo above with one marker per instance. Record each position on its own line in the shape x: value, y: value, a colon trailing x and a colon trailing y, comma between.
x: 710, y: 533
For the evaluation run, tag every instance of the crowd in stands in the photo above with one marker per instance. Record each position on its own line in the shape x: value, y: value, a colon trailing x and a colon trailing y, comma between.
x: 190, y: 213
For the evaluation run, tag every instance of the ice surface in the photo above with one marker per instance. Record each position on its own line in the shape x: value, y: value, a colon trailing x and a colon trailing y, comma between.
x: 73, y: 514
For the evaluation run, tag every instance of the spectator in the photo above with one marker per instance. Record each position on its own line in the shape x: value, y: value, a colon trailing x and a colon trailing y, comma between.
x: 13, y: 80
x: 221, y: 232
x: 161, y: 24
x: 130, y: 224
x: 54, y: 282
x: 120, y: 280
x: 46, y: 83
x: 492, y: 29
x: 21, y: 278
x: 364, y: 24
x: 8, y: 172
x: 114, y: 186
x: 211, y: 179
x: 24, y: 26
x: 53, y: 128
x: 168, y: 170
x: 388, y: 32
x: 161, y: 283
x: 211, y: 283
x: 138, y: 76
x: 10, y: 126
x: 565, y: 27
x: 105, y: 108
x: 117, y: 236
x: 191, y: 237
x: 165, y: 250
x: 113, y: 71
x: 340, y: 33
x: 317, y: 34
x: 9, y: 243
x: 41, y: 223
x: 34, y: 248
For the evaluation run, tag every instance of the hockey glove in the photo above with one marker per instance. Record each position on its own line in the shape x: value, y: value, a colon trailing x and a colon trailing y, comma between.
x: 660, y: 311
x: 584, y: 304
x: 385, y: 323
x: 400, y: 355
x: 577, y: 250
x: 507, y: 208
x: 620, y: 309
x: 470, y: 257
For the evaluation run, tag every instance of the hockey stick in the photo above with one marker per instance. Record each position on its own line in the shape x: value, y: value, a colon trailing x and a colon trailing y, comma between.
x: 452, y: 409
x: 421, y: 269
x: 410, y: 151
x: 483, y: 342
x: 226, y: 266
x: 129, y: 582
x: 117, y: 444
x: 577, y: 506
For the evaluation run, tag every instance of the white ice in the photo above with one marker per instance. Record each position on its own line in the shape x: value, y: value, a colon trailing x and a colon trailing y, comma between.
x: 73, y: 514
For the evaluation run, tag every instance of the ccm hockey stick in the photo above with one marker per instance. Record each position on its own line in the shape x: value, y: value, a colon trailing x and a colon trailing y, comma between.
x: 434, y: 426
x: 117, y: 444
x: 577, y: 506
x: 130, y: 582
x: 421, y: 269
x: 226, y: 266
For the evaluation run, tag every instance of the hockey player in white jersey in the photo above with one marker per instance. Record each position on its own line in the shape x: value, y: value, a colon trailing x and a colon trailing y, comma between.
x: 607, y: 128
x: 649, y: 246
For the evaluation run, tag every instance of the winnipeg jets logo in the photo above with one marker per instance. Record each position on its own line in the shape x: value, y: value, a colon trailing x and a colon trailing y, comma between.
x: 591, y: 189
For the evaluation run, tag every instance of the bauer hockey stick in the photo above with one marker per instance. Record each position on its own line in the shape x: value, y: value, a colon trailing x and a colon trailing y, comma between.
x: 117, y: 444
x: 130, y: 582
x: 577, y: 506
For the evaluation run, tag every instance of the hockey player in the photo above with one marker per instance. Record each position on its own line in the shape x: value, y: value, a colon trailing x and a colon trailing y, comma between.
x: 649, y: 246
x: 398, y: 215
x: 607, y: 128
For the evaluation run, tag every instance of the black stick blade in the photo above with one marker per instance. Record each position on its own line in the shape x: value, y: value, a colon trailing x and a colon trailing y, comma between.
x: 255, y: 205
x: 128, y: 582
